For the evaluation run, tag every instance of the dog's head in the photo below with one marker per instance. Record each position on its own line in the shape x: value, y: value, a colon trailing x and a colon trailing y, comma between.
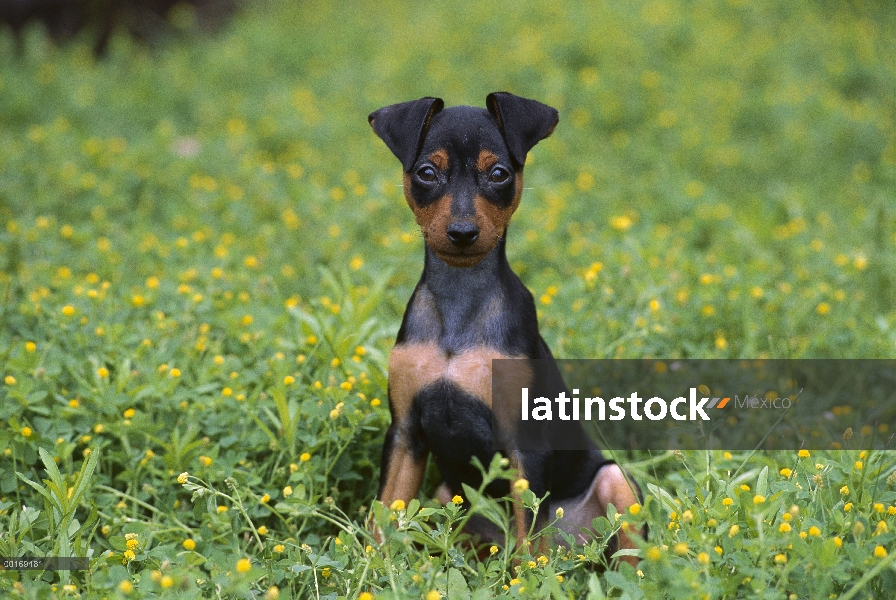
x: 463, y: 167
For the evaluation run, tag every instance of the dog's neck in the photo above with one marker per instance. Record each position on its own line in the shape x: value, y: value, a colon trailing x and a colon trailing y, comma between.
x: 460, y: 286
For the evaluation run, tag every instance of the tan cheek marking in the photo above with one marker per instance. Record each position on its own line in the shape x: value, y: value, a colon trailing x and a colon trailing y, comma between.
x: 412, y: 367
x: 486, y: 160
x: 433, y: 218
x: 498, y: 218
x: 439, y: 159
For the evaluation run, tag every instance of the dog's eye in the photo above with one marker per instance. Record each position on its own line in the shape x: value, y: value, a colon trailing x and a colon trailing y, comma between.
x: 499, y: 175
x: 426, y: 173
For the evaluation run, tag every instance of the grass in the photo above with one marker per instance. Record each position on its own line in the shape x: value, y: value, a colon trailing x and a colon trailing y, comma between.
x: 205, y: 255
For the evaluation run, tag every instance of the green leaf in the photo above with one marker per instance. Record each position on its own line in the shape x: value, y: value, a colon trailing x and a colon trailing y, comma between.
x: 457, y: 586
x: 762, y: 482
x: 663, y: 496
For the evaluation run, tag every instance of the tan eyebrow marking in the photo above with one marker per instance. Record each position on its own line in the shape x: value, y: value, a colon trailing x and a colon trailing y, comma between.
x: 486, y: 160
x: 439, y: 158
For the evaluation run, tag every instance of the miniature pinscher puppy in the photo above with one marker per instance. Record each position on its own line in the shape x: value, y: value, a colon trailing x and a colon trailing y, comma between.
x: 463, y: 179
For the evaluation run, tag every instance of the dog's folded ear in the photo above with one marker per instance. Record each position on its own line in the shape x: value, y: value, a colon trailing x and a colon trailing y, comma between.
x: 522, y: 122
x: 403, y: 127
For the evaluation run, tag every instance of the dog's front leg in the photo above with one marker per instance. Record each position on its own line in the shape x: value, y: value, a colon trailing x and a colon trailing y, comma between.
x: 613, y: 486
x: 402, y: 470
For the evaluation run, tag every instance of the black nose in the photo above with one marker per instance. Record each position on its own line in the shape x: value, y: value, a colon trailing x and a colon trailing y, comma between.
x: 463, y: 233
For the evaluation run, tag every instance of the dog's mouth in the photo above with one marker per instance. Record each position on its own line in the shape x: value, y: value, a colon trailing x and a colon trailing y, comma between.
x: 462, y: 258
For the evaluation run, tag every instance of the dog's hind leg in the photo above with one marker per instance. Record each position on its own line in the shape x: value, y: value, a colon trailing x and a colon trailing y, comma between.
x: 611, y: 485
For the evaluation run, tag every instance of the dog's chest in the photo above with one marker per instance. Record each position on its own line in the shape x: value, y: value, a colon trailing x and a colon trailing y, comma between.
x: 453, y: 344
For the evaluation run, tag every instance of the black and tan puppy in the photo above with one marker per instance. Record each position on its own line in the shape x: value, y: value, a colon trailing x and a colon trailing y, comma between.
x: 463, y: 178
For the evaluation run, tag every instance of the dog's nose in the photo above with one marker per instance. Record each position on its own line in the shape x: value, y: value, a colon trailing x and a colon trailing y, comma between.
x: 463, y: 233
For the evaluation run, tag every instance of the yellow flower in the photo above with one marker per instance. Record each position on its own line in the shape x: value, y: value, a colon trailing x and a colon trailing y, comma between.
x: 838, y: 541
x: 243, y: 565
x: 634, y: 509
x: 621, y: 223
x: 784, y: 527
x: 735, y: 529
x: 758, y: 499
x: 125, y: 587
x: 167, y: 581
x: 859, y: 465
x: 25, y: 431
x: 891, y: 510
x: 9, y: 380
x: 397, y: 505
x: 305, y: 457
x: 129, y: 413
x: 680, y: 548
x: 102, y: 372
x: 433, y: 595
x: 844, y: 491
x: 559, y: 512
x: 814, y: 531
x: 289, y: 380
x: 880, y: 552
x: 786, y: 472
x: 781, y: 559
x: 718, y: 550
x: 703, y: 558
x: 68, y: 310
x: 129, y: 555
x: 279, y: 548
x: 457, y: 500
x: 189, y: 545
x: 878, y: 507
x: 265, y: 499
x: 653, y: 553
x: 182, y: 478
x: 521, y: 485
x: 175, y: 372
x: 222, y: 509
x: 493, y: 550
x: 727, y: 501
x: 262, y: 530
x: 132, y: 544
x: 205, y: 461
x: 365, y: 596
x: 803, y: 453
x: 287, y: 491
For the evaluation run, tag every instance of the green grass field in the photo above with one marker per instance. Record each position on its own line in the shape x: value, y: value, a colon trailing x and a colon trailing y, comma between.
x: 205, y: 255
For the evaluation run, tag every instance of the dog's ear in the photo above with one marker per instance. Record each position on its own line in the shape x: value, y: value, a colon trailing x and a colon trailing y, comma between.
x: 522, y: 122
x: 403, y: 127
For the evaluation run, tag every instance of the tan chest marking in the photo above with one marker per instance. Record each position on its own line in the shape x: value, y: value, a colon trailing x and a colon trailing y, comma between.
x: 413, y: 367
